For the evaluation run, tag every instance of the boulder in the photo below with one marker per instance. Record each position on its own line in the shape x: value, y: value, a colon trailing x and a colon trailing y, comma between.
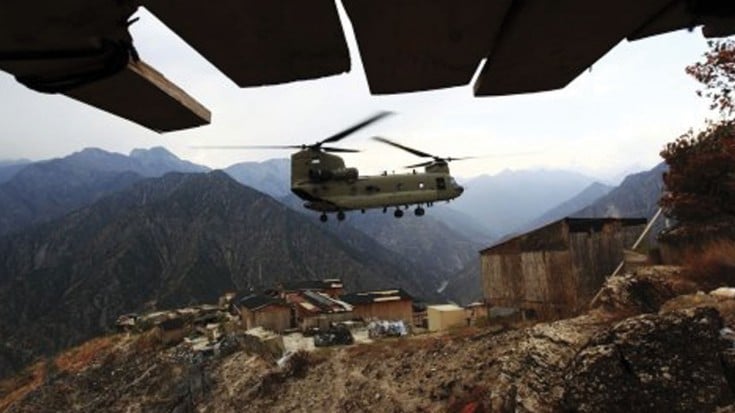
x: 652, y: 362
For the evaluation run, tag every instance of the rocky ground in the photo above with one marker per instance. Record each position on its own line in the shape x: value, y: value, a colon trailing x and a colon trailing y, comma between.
x: 650, y: 342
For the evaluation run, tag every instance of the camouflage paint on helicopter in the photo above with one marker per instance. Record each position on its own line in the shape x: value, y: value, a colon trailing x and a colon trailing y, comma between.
x: 323, y: 181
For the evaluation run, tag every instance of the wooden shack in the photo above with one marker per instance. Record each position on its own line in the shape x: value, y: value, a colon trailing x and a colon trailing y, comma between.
x: 262, y: 311
x: 390, y: 305
x: 313, y: 309
x: 554, y: 271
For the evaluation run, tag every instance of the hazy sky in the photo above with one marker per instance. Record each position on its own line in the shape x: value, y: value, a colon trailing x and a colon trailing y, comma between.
x: 614, y: 117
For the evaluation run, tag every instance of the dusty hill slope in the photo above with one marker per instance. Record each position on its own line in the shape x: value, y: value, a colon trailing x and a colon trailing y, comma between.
x: 643, y: 344
x: 167, y: 242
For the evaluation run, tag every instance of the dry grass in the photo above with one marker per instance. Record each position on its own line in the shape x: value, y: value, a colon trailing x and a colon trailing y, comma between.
x: 711, y: 267
x: 17, y: 387
x: 81, y: 357
x: 146, y: 342
x: 390, y: 346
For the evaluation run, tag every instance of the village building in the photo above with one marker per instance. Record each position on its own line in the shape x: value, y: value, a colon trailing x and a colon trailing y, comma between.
x: 171, y: 331
x: 318, y: 310
x: 381, y: 305
x: 445, y: 316
x: 475, y: 311
x: 226, y: 300
x: 332, y: 287
x: 258, y: 310
x: 420, y: 317
x: 553, y: 272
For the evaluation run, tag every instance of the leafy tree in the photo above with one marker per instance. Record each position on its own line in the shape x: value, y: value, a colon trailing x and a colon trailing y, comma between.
x: 717, y: 74
x: 701, y: 176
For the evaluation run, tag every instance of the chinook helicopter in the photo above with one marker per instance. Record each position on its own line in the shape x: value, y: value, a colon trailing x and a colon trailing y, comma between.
x: 328, y: 186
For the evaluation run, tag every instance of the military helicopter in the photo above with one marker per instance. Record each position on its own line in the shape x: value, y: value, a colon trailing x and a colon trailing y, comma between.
x: 322, y: 180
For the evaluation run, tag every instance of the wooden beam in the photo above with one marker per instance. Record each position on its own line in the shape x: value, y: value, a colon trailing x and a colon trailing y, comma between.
x: 142, y: 95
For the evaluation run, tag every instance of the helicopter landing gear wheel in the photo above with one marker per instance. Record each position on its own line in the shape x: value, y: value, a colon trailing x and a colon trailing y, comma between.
x: 323, y: 217
x: 340, y: 216
x: 398, y: 213
x: 419, y: 212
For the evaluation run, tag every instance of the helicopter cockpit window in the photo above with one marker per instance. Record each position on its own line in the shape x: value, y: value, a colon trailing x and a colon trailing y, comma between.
x: 441, y: 184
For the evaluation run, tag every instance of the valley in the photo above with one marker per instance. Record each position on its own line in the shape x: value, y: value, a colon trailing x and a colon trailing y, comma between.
x: 150, y: 231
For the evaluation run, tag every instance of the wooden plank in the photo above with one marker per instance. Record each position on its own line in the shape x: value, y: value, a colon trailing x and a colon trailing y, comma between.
x: 544, y: 45
x: 144, y: 96
x: 414, y: 45
x: 256, y: 42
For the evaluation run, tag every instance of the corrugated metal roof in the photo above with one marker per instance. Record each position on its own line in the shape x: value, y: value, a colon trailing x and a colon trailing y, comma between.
x: 376, y: 296
x: 255, y: 302
x: 312, y: 284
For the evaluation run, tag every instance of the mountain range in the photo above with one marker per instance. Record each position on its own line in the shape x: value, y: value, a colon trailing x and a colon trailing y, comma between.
x: 41, y: 191
x: 636, y: 196
x: 8, y: 168
x: 509, y: 200
x: 587, y: 197
x: 96, y: 234
x: 168, y: 242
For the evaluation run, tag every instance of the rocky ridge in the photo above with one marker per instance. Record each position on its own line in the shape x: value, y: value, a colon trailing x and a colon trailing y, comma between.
x: 649, y: 341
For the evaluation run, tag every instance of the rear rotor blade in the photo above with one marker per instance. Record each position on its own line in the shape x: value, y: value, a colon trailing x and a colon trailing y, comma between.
x: 341, y: 150
x: 248, y: 147
x: 405, y: 148
x: 355, y: 128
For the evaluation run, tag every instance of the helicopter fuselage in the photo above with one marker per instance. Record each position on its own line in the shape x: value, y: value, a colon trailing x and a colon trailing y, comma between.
x: 378, y: 191
x: 327, y: 186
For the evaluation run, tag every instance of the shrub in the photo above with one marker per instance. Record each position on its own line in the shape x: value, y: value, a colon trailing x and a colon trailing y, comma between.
x: 712, y: 266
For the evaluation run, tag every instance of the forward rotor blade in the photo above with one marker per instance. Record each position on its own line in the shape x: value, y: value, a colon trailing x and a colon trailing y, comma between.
x: 419, y: 165
x: 341, y: 150
x: 247, y: 147
x: 405, y: 148
x: 355, y: 128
